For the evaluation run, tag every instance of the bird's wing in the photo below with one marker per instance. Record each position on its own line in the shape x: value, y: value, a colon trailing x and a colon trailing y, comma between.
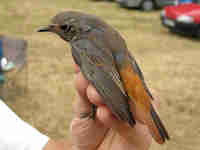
x: 150, y: 117
x: 98, y: 67
x: 139, y: 73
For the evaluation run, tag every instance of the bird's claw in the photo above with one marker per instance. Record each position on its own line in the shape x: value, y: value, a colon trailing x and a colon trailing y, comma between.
x: 91, y: 114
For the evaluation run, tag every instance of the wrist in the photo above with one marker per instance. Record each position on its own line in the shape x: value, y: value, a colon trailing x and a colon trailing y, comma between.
x: 137, y: 138
x: 58, y: 145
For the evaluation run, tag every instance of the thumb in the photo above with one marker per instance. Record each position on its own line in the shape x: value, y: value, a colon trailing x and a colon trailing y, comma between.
x: 82, y: 104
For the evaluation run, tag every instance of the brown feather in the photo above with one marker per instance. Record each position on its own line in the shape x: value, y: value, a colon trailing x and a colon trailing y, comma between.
x: 144, y: 110
x: 154, y: 130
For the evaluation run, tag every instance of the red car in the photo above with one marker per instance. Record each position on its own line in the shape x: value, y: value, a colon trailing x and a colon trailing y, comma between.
x: 182, y: 18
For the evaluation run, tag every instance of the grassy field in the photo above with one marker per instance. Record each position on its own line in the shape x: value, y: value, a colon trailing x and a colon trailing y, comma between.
x: 170, y: 64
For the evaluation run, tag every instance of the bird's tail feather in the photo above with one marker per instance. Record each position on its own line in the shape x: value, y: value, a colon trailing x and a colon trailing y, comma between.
x: 157, y: 128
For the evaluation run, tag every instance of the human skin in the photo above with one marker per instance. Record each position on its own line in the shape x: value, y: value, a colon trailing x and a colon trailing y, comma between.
x: 103, y: 133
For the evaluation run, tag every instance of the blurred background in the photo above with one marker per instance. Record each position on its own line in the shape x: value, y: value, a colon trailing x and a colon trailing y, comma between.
x: 170, y: 64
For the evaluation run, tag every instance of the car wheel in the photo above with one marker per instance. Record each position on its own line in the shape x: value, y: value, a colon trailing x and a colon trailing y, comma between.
x: 172, y: 30
x: 147, y: 5
x: 198, y: 34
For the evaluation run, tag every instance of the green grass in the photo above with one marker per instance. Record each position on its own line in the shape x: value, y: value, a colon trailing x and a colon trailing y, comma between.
x: 170, y: 64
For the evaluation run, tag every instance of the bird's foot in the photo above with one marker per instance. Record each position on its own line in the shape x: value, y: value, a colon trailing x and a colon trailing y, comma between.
x: 91, y: 114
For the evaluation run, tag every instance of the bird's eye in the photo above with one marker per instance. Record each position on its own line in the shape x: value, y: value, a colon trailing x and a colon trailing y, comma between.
x: 64, y: 27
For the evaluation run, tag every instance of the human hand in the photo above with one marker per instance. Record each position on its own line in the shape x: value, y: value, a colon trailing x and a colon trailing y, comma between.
x: 105, y: 132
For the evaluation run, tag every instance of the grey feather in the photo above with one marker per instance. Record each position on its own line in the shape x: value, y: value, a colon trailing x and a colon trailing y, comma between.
x: 105, y: 78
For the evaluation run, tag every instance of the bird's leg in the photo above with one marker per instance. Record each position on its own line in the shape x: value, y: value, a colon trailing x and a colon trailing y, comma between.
x: 91, y: 114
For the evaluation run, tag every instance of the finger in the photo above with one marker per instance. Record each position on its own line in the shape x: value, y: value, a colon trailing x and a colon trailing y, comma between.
x: 76, y: 68
x: 82, y: 104
x: 138, y: 135
x: 103, y: 113
x: 93, y: 96
x: 107, y: 118
x: 110, y: 121
x: 81, y: 84
x: 156, y: 101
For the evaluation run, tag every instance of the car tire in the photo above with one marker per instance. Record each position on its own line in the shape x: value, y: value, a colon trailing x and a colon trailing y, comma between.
x: 172, y: 30
x: 198, y: 34
x: 147, y: 5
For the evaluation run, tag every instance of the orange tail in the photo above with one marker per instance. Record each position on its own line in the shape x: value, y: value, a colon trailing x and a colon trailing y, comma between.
x: 156, y: 127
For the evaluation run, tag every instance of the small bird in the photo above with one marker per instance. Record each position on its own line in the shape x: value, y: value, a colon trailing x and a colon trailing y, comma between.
x: 103, y: 58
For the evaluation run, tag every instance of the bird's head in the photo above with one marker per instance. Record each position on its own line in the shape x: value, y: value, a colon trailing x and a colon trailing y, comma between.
x: 70, y: 25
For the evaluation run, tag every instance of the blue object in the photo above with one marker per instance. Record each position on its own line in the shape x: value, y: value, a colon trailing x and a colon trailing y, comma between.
x: 2, y: 79
x: 1, y: 49
x: 184, y: 1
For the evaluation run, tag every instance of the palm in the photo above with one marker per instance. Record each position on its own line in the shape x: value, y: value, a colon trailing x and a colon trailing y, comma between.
x: 105, y: 132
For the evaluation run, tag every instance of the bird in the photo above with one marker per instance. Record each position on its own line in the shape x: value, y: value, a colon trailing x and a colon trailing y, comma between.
x: 105, y: 61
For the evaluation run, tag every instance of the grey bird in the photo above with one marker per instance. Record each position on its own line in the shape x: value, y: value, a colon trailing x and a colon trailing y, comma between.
x: 103, y: 58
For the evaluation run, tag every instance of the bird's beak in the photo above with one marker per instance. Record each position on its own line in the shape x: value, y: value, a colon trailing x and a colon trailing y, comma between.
x: 49, y: 28
x: 43, y: 29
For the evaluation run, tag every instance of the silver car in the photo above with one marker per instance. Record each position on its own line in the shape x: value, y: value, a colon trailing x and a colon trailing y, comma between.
x: 146, y: 5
